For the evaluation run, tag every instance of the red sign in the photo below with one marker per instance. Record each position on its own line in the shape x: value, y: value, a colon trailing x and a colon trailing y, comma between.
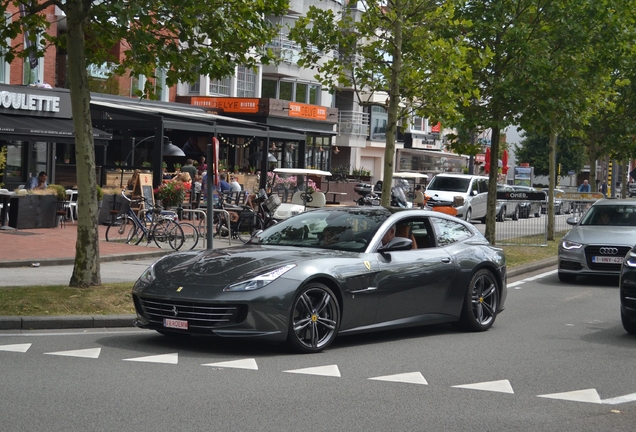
x: 228, y: 105
x: 437, y: 128
x: 480, y: 158
x: 313, y: 112
x: 215, y: 148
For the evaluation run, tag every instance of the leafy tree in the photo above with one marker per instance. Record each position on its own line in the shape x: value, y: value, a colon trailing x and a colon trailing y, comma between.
x: 184, y: 38
x: 402, y: 55
x: 535, y: 150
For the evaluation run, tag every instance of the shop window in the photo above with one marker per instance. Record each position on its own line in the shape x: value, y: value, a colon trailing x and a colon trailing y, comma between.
x: 268, y: 88
x: 301, y: 93
x: 245, y: 82
x: 286, y: 91
x: 15, y: 168
x: 220, y: 87
x: 195, y: 87
x: 4, y: 66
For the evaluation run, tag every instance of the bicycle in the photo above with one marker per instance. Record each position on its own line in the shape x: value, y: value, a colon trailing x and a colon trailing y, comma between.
x: 163, y: 228
x: 250, y: 223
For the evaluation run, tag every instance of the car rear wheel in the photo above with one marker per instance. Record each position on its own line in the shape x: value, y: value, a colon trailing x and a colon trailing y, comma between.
x: 515, y: 216
x: 314, y: 320
x: 567, y: 277
x: 628, y: 325
x: 481, y: 302
x: 501, y: 217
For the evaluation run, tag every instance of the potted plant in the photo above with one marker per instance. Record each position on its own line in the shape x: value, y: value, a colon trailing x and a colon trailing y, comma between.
x: 177, y: 167
x: 171, y: 194
x: 59, y: 191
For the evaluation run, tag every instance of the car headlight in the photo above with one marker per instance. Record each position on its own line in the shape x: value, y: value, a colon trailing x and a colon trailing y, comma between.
x: 146, y: 278
x: 630, y: 259
x: 569, y: 245
x: 260, y: 281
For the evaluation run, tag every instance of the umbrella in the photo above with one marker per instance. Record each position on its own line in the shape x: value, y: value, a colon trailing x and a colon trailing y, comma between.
x: 487, y: 163
x: 504, y: 162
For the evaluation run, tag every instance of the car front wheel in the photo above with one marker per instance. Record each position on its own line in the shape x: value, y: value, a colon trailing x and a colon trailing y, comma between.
x: 469, y: 215
x: 481, y: 302
x: 515, y: 216
x: 314, y: 320
x: 628, y: 324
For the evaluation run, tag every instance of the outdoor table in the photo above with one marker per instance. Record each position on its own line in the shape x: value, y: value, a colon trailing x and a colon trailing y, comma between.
x: 334, y: 194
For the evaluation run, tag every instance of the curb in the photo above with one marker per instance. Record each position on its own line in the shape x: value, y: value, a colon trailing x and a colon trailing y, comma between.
x: 64, y: 322
x: 101, y: 321
x: 71, y: 261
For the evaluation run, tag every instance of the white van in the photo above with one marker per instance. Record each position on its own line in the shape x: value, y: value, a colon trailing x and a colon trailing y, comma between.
x: 473, y: 188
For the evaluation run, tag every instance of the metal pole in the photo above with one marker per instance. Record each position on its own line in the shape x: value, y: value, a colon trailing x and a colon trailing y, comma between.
x: 210, y: 200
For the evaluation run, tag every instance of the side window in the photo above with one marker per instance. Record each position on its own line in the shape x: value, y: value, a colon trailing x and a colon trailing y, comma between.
x: 448, y: 232
x: 483, y: 186
x: 475, y: 187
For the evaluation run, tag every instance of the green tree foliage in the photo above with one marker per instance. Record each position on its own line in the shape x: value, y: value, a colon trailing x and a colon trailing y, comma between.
x: 184, y: 38
x: 535, y: 149
x: 402, y: 55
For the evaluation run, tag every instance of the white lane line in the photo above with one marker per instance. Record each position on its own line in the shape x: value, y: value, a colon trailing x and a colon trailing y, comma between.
x: 502, y: 386
x: 162, y: 358
x: 620, y: 399
x: 540, y: 276
x: 514, y: 284
x: 409, y: 378
x: 237, y: 364
x: 81, y: 332
x: 331, y: 370
x: 85, y: 353
x: 587, y: 395
x: 16, y: 347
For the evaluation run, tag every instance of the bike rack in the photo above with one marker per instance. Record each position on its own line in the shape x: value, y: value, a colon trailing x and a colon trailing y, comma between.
x: 226, y: 215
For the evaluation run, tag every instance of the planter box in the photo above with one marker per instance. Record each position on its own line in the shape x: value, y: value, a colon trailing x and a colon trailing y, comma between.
x: 112, y: 205
x: 32, y: 211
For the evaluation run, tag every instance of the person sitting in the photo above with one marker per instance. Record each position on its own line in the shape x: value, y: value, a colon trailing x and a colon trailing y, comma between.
x: 605, y: 218
x: 133, y: 180
x: 224, y: 186
x: 183, y: 178
x: 38, y: 182
x: 235, y: 186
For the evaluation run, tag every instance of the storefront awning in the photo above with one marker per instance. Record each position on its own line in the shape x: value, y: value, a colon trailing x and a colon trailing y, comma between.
x: 47, y: 129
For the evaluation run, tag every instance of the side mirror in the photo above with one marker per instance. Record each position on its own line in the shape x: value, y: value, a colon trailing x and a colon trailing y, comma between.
x: 572, y: 221
x: 473, y: 193
x: 397, y: 244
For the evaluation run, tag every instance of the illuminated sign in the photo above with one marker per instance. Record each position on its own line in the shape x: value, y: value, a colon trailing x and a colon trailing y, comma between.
x: 228, y: 105
x: 313, y: 112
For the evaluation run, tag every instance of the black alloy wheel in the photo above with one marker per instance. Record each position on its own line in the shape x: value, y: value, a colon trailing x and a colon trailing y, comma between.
x: 315, y: 319
x: 481, y: 302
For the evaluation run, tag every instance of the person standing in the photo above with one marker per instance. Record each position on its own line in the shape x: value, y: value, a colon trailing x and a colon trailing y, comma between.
x: 189, y: 168
x: 604, y: 189
x: 38, y: 182
x: 585, y: 187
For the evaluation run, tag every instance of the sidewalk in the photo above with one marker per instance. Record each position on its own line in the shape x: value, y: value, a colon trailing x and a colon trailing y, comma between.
x: 56, y: 246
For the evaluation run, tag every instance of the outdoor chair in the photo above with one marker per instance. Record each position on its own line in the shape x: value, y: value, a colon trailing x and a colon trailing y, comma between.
x: 71, y: 197
x: 61, y: 210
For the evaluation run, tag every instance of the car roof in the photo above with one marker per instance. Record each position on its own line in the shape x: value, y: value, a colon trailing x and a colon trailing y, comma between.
x: 614, y: 202
x: 459, y: 175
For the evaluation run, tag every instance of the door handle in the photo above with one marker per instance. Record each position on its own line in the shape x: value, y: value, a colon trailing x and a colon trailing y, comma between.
x: 446, y: 260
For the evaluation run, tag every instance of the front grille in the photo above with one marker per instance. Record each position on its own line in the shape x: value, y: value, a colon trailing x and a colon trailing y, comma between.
x: 198, y: 315
x: 570, y: 265
x: 591, y: 251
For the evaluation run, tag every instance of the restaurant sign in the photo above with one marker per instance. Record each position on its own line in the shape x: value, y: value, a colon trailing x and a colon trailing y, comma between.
x: 313, y: 112
x: 34, y: 102
x: 228, y: 105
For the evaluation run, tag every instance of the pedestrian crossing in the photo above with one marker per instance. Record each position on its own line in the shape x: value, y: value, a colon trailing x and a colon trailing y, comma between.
x: 498, y: 386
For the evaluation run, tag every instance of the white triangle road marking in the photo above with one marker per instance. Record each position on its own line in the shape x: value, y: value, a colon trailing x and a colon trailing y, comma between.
x: 331, y: 370
x: 85, y: 353
x: 501, y: 386
x: 238, y: 364
x: 409, y: 378
x: 620, y: 399
x: 162, y: 358
x: 16, y: 347
x: 587, y: 395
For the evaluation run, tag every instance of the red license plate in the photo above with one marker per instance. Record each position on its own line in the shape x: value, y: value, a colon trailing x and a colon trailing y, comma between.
x: 175, y: 324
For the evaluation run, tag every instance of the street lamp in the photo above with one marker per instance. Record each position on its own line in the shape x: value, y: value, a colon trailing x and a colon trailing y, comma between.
x: 167, y: 149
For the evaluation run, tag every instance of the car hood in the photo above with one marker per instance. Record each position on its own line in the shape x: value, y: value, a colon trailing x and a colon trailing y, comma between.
x: 605, y: 235
x: 232, y: 265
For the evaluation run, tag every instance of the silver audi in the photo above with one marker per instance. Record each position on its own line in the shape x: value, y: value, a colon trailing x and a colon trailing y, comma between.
x: 599, y: 240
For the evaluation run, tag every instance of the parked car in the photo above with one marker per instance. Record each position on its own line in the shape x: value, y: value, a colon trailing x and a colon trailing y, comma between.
x: 561, y: 205
x: 528, y: 208
x: 474, y: 190
x: 599, y: 240
x: 627, y: 289
x: 326, y: 272
x: 507, y: 209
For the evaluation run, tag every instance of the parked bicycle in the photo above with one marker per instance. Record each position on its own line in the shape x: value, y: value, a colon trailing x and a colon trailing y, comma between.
x: 156, y: 225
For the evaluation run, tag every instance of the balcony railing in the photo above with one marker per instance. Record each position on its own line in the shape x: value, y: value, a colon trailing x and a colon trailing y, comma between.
x: 353, y: 123
x: 286, y: 49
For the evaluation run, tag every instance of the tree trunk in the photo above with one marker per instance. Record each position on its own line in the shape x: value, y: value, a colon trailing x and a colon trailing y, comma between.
x: 394, y: 100
x: 86, y: 271
x: 491, y: 213
x: 552, y: 181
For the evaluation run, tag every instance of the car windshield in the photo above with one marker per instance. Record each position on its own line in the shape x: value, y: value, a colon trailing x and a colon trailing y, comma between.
x: 346, y: 230
x: 449, y: 184
x: 616, y: 215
